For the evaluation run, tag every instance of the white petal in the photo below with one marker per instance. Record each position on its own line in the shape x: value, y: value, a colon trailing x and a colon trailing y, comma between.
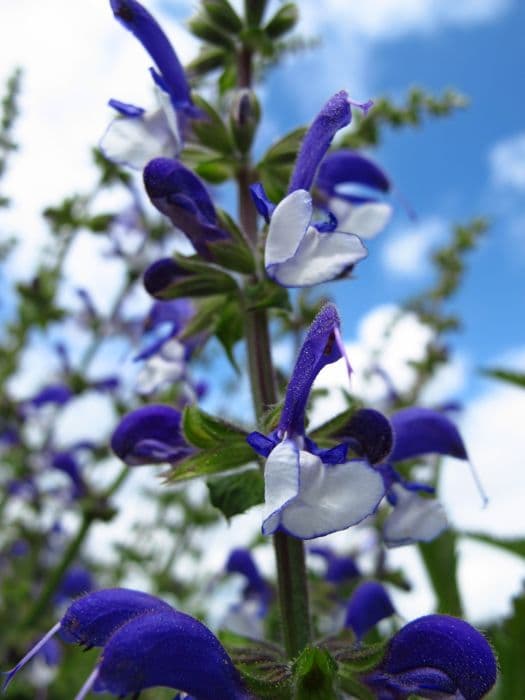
x: 288, y: 224
x: 366, y: 220
x: 414, y: 519
x: 134, y: 141
x: 156, y: 372
x: 172, y: 350
x: 321, y: 257
x: 331, y: 497
x: 281, y: 483
x: 166, y: 106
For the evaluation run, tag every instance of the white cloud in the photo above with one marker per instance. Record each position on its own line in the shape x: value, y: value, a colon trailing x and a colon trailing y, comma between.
x: 384, y: 336
x: 389, y: 19
x: 406, y: 252
x: 507, y: 162
x: 75, y: 57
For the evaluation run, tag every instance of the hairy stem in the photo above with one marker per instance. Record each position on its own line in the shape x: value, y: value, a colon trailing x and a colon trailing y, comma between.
x: 289, y: 551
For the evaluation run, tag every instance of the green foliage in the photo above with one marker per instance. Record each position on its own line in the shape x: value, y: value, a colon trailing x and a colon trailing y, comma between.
x: 514, y: 545
x: 237, y: 493
x: 418, y: 105
x: 441, y: 562
x: 8, y: 115
x: 505, y: 375
x: 508, y: 639
x: 283, y: 21
x: 315, y: 675
x: 276, y: 165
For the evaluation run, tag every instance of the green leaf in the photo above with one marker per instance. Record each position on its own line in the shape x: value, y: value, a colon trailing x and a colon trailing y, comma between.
x: 222, y: 14
x: 238, y: 492
x: 202, y: 27
x: 205, y: 318
x: 315, y: 675
x: 285, y: 150
x: 208, y: 59
x: 266, y: 295
x: 233, y: 256
x: 229, y: 330
x: 509, y: 640
x: 215, y: 170
x: 360, y: 658
x: 510, y: 544
x: 212, y: 461
x: 283, y: 21
x: 204, y: 430
x: 335, y: 426
x: 441, y: 561
x: 211, y: 130
x: 505, y: 375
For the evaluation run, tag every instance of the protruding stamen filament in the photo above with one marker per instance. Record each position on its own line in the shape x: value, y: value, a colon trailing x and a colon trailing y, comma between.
x: 88, y: 685
x: 32, y: 652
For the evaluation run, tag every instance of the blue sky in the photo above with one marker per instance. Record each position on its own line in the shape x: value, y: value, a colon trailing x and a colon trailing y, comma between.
x: 444, y: 169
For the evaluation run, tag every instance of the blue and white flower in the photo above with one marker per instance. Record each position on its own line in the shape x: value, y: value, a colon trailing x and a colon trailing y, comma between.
x: 310, y: 492
x: 410, y: 433
x: 302, y: 251
x: 136, y: 135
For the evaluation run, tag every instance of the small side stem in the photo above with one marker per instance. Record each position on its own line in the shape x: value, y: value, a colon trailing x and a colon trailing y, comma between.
x: 52, y: 583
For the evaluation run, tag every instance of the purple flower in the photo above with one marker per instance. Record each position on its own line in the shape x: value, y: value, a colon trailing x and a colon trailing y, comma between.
x: 136, y: 136
x: 247, y: 617
x: 310, y: 492
x: 353, y: 188
x: 436, y: 656
x: 146, y: 643
x: 181, y: 196
x: 91, y: 620
x: 55, y: 394
x: 338, y: 568
x: 76, y: 581
x: 150, y: 435
x: 301, y: 251
x: 166, y: 355
x: 411, y: 432
x: 368, y: 605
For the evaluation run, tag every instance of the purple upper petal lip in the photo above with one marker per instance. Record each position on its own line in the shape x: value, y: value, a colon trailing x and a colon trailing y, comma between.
x: 420, y: 431
x: 134, y: 17
x: 335, y: 115
x: 320, y: 348
x: 347, y: 166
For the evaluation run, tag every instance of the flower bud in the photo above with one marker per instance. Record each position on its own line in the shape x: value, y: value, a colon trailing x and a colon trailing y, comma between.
x: 244, y: 118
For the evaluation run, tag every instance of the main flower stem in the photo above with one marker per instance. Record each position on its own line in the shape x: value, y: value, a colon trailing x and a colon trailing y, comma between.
x: 289, y: 551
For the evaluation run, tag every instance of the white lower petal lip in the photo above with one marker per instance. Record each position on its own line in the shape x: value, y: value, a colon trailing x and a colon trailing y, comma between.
x: 320, y: 257
x: 414, y: 519
x: 331, y: 497
x: 281, y: 483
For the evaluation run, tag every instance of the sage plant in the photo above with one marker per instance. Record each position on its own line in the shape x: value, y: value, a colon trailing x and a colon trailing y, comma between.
x: 303, y: 211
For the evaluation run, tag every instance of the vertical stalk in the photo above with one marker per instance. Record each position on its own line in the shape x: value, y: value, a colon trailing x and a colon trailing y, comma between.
x: 289, y: 551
